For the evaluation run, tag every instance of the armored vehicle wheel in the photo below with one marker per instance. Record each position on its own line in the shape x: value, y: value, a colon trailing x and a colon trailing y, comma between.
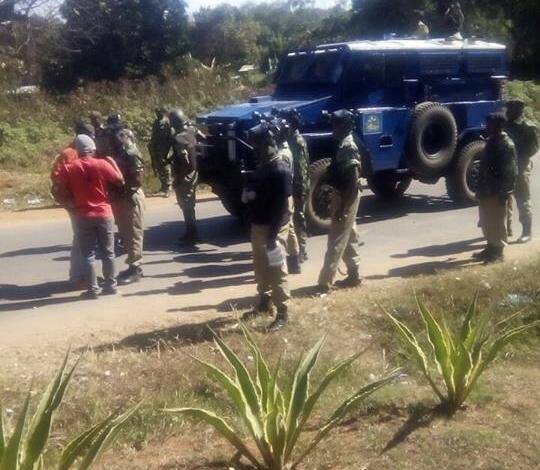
x: 320, y: 196
x: 388, y: 186
x: 432, y: 140
x: 462, y: 182
x: 232, y: 201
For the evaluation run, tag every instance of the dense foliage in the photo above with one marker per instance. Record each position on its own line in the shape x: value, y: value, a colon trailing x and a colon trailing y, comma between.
x: 111, y: 39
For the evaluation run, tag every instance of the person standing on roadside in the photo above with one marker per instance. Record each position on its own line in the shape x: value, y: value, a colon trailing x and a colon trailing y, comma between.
x: 281, y: 131
x: 496, y: 182
x: 158, y: 147
x: 267, y: 196
x: 129, y: 205
x: 300, y: 158
x: 77, y: 269
x: 83, y: 182
x: 100, y: 135
x: 344, y: 177
x: 524, y: 134
x: 184, y: 165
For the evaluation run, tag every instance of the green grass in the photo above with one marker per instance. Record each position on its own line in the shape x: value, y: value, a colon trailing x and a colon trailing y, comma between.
x: 34, y: 128
x: 497, y: 428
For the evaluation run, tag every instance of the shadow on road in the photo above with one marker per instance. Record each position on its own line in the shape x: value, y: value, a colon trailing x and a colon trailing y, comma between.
x: 195, y: 286
x: 38, y: 250
x: 443, y: 250
x: 429, y: 267
x: 221, y: 231
x: 35, y: 296
x: 374, y: 209
x: 191, y: 333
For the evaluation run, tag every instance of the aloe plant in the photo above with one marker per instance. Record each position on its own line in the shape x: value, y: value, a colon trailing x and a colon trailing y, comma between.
x: 25, y: 448
x: 275, y: 416
x: 459, y: 357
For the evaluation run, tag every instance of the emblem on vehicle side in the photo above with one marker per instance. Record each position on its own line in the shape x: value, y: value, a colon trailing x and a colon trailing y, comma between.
x: 372, y: 123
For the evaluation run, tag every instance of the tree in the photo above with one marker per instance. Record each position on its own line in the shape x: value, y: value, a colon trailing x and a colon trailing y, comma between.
x: 109, y: 39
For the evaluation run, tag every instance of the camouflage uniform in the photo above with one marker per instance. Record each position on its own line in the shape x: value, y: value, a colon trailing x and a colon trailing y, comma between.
x: 343, y: 241
x: 185, y: 174
x: 129, y: 207
x: 293, y: 247
x: 496, y: 181
x: 159, y: 146
x: 300, y: 154
x: 524, y: 134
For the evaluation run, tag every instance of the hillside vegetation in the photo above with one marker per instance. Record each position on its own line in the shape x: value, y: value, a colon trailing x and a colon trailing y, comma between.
x: 33, y: 128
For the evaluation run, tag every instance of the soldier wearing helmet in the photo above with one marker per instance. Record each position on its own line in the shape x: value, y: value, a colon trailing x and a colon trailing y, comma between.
x: 344, y: 176
x: 184, y: 169
x: 267, y: 197
x: 300, y: 158
x: 159, y: 147
x: 100, y: 135
x: 282, y: 130
x: 524, y: 134
x: 129, y: 205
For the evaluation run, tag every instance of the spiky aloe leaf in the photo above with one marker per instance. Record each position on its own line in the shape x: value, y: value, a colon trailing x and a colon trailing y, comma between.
x: 263, y: 371
x: 466, y: 328
x: 343, y: 409
x: 40, y: 425
x: 10, y: 459
x: 107, y: 435
x: 249, y: 393
x: 463, y: 367
x: 313, y: 398
x: 418, y: 353
x: 227, y: 384
x: 440, y: 346
x: 495, y: 348
x: 2, y: 433
x: 77, y: 447
x: 223, y: 428
x: 300, y: 390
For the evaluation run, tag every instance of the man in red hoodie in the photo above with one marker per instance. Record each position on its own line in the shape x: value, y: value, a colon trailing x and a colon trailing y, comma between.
x: 84, y: 181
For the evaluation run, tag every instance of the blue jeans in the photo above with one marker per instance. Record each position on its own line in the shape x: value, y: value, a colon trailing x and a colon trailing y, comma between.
x: 76, y: 260
x: 97, y: 233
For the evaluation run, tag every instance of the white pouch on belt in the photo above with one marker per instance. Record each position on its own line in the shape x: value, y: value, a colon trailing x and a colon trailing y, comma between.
x: 276, y: 257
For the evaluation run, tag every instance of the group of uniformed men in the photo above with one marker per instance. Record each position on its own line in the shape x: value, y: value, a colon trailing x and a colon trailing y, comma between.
x: 277, y: 191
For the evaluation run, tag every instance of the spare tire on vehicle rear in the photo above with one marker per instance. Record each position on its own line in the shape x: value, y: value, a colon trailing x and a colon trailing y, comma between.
x: 432, y: 140
x: 318, y: 205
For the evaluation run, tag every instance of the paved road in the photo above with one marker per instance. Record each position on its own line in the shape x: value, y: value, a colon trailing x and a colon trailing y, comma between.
x: 419, y: 234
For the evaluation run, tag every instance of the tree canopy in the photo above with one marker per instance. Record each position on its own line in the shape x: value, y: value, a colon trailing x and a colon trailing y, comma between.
x: 112, y: 39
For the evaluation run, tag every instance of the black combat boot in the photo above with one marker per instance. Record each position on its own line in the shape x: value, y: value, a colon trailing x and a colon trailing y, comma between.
x: 190, y: 237
x: 280, y: 321
x: 293, y: 264
x: 526, y: 235
x: 352, y: 280
x: 496, y: 255
x: 130, y: 275
x: 484, y: 254
x: 264, y: 306
x: 303, y: 255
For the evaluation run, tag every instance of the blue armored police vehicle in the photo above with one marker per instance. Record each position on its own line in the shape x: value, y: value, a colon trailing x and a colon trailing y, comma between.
x: 420, y: 107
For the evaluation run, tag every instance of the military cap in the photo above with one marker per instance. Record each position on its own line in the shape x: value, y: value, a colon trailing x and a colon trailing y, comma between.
x: 114, y: 118
x: 177, y: 116
x: 497, y: 118
x: 343, y: 116
x: 293, y: 117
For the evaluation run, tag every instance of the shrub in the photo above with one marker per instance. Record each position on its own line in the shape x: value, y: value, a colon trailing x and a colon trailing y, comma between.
x: 24, y: 450
x: 459, y: 357
x: 276, y: 416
